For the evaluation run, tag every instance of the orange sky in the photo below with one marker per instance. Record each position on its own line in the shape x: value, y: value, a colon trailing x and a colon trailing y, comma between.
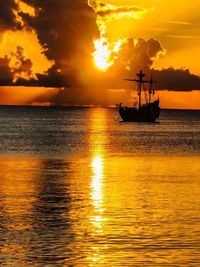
x: 175, y: 24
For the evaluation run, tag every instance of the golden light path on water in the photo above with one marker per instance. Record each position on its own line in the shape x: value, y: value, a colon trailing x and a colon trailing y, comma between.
x: 97, y: 181
x: 97, y: 142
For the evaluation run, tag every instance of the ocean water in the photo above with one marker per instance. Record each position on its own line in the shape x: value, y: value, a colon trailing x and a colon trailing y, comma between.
x: 79, y: 188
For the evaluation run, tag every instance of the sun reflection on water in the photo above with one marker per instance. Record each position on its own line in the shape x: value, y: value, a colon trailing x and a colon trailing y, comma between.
x: 97, y: 182
x: 97, y: 141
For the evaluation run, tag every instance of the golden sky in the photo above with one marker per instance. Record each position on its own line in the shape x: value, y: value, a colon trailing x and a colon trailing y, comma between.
x: 84, y: 43
x: 175, y: 23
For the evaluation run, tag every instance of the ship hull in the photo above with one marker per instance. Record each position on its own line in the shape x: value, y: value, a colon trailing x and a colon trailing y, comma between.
x: 146, y: 113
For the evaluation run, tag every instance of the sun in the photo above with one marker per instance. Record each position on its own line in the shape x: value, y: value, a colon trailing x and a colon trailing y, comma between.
x: 101, y: 62
x: 106, y: 53
x: 102, y: 54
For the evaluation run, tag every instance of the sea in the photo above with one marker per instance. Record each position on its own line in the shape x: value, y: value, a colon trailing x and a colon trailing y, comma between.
x: 80, y: 188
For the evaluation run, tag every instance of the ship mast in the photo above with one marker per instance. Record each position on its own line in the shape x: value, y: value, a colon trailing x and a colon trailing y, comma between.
x: 151, y: 89
x: 140, y: 83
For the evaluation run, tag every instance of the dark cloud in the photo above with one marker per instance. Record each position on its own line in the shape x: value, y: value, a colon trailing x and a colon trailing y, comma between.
x: 22, y: 67
x: 6, y: 76
x: 7, y: 16
x: 16, y: 70
x: 52, y: 78
x: 136, y: 56
x: 176, y: 79
x: 65, y: 28
x: 141, y: 57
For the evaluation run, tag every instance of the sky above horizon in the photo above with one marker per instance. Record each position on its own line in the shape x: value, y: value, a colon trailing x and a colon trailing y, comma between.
x: 95, y: 44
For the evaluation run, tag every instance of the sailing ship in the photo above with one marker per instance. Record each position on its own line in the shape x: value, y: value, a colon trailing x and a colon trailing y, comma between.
x: 147, y: 112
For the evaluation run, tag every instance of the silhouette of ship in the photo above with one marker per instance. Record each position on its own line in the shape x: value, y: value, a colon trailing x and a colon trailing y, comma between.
x: 147, y: 112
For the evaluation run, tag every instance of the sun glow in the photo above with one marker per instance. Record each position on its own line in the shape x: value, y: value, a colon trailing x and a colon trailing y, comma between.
x: 102, y: 54
x: 106, y: 49
x: 106, y: 53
